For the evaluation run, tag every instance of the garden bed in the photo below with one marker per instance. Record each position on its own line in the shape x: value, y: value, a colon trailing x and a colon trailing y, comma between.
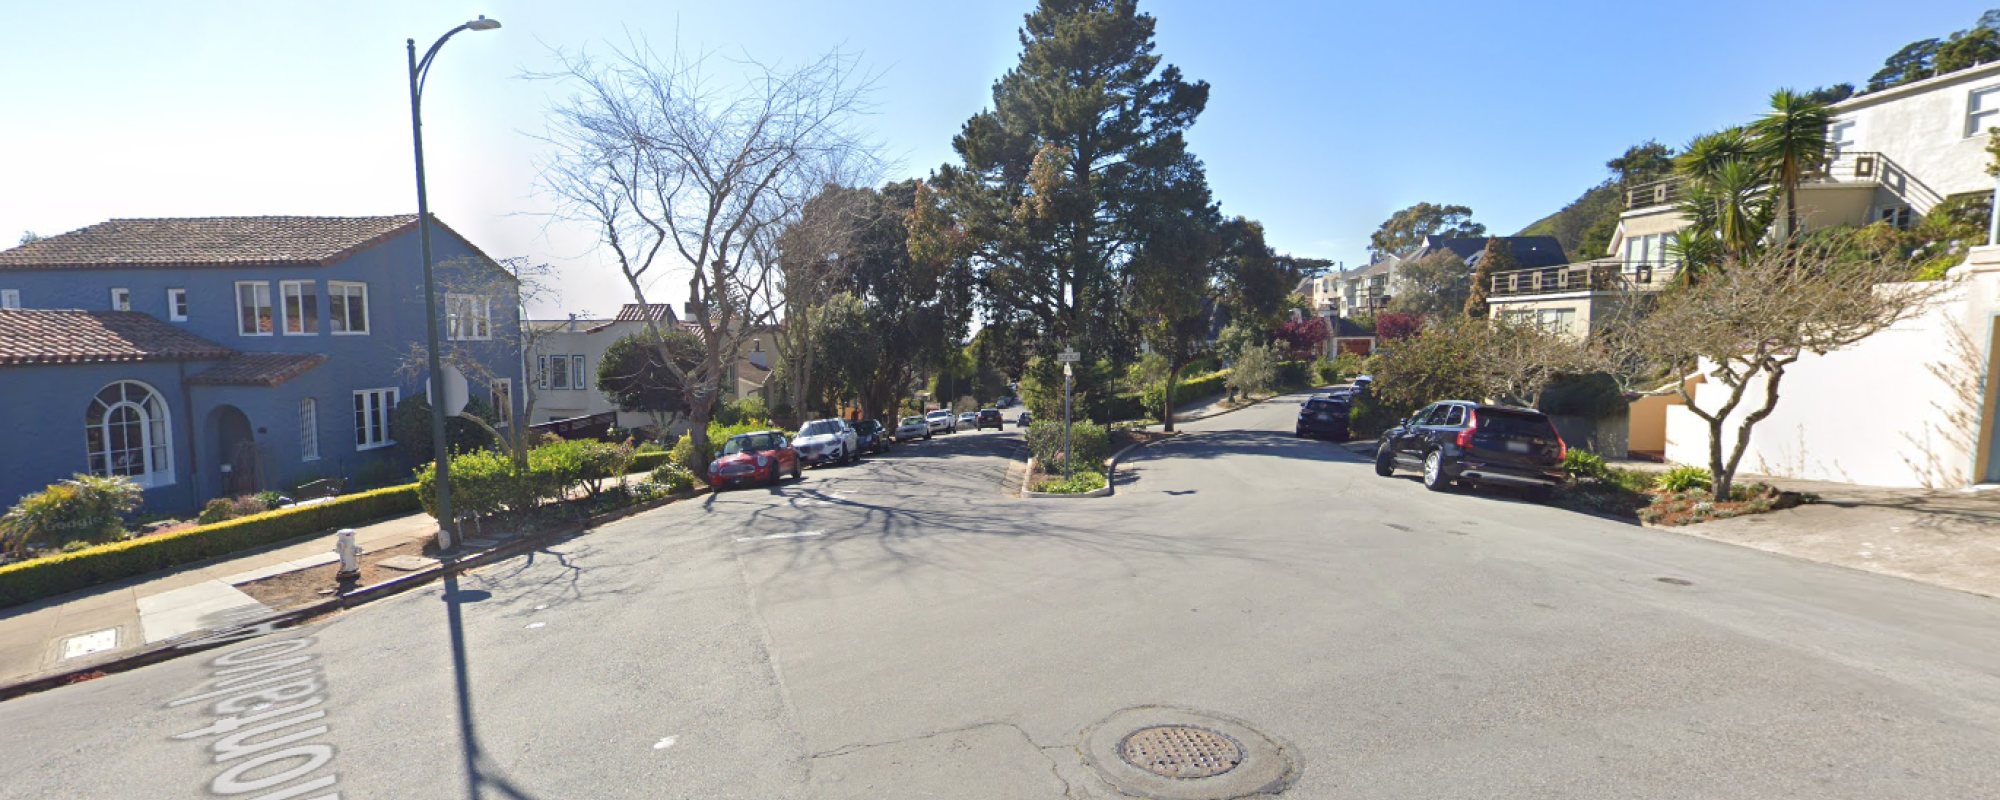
x: 1680, y: 497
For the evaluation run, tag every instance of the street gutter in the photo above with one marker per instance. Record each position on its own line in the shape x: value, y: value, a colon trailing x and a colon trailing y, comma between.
x: 202, y: 640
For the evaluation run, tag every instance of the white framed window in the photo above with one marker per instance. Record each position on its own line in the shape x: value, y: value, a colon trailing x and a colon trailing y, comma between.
x: 301, y: 307
x: 308, y: 430
x: 578, y: 379
x: 1982, y: 110
x: 127, y: 431
x: 503, y: 400
x: 177, y: 305
x: 347, y: 308
x: 253, y: 309
x: 10, y: 298
x: 468, y: 317
x: 373, y: 410
x: 1898, y: 215
x: 121, y: 299
x: 559, y: 372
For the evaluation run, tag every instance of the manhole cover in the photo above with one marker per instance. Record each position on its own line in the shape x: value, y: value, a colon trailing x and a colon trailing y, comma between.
x: 1181, y: 751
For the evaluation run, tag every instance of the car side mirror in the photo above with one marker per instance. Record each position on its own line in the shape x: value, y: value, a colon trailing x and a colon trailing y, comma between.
x: 1403, y: 423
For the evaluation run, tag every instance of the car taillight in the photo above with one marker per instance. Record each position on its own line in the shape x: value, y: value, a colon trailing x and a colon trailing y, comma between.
x: 1562, y: 448
x: 1471, y: 426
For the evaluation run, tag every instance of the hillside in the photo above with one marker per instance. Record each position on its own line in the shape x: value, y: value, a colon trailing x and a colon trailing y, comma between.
x: 1584, y: 226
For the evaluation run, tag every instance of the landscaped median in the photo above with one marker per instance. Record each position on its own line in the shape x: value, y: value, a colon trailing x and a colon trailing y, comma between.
x: 67, y: 572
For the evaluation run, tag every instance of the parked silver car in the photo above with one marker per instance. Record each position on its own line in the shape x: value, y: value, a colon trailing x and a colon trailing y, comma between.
x: 823, y: 441
x: 912, y: 428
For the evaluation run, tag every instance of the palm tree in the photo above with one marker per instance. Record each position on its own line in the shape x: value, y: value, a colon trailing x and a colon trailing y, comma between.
x: 1726, y: 201
x: 1704, y: 156
x: 1791, y: 142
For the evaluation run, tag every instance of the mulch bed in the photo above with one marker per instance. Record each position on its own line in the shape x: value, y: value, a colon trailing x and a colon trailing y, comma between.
x: 319, y: 583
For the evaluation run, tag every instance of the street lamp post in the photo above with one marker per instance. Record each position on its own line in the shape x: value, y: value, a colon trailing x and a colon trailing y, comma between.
x: 440, y: 449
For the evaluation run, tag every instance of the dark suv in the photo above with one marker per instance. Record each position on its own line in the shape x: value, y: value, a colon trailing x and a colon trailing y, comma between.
x: 1475, y: 444
x: 1323, y: 416
x: 990, y: 418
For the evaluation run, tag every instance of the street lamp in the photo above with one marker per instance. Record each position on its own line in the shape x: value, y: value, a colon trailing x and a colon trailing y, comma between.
x: 440, y: 449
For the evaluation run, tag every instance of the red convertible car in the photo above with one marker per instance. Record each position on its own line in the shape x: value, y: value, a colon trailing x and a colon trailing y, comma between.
x: 759, y: 458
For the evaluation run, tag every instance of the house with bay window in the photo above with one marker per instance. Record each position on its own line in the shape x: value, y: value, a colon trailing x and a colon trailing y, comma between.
x: 224, y: 356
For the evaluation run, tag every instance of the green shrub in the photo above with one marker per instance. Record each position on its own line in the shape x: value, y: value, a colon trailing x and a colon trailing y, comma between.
x: 674, y: 477
x: 1630, y: 480
x: 270, y: 499
x: 216, y: 510
x: 1685, y: 478
x: 644, y: 460
x: 1296, y: 374
x: 1584, y: 464
x: 649, y: 448
x: 54, y: 575
x: 1126, y: 406
x: 683, y: 454
x: 1370, y: 416
x: 482, y: 482
x: 1088, y: 441
x: 747, y: 411
x: 578, y: 465
x: 84, y: 508
x: 1078, y: 483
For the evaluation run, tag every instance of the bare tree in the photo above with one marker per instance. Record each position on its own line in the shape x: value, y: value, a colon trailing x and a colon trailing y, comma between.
x: 1519, y: 360
x: 815, y: 255
x: 1745, y: 326
x: 685, y: 172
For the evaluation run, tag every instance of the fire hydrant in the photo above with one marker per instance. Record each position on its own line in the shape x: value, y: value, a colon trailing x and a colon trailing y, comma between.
x: 350, y: 555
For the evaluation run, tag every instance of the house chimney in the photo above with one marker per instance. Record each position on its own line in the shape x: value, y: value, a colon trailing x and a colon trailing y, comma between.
x: 757, y: 355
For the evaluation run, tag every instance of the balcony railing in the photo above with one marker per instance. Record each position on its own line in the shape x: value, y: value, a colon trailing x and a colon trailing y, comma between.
x: 1607, y: 275
x: 1847, y: 166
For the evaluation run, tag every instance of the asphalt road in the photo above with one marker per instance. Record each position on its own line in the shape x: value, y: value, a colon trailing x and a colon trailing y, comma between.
x: 903, y: 628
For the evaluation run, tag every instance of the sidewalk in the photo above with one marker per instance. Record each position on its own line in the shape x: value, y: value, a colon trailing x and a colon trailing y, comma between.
x: 63, y: 633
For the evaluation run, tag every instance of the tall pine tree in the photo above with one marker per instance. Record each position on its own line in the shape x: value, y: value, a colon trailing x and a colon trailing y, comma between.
x: 1065, y: 178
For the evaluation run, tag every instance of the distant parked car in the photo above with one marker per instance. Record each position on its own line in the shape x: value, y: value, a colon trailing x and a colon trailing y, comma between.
x: 1473, y: 444
x: 1323, y: 416
x: 912, y: 428
x: 827, y: 440
x: 1024, y: 420
x: 941, y: 422
x: 753, y: 459
x: 871, y: 436
x: 969, y: 419
x: 990, y: 418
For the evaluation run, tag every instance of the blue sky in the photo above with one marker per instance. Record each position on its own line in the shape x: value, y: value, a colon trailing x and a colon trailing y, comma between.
x: 1324, y: 118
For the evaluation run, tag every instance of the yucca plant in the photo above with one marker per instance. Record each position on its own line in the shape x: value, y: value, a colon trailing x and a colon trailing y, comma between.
x: 84, y: 508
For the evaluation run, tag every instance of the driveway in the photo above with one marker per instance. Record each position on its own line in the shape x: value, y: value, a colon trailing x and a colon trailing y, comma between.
x: 902, y: 628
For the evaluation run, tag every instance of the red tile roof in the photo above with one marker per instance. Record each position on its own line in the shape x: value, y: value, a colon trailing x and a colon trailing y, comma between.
x: 83, y: 337
x: 210, y: 242
x: 258, y: 369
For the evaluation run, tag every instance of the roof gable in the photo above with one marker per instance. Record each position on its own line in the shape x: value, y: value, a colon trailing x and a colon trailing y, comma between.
x: 213, y: 242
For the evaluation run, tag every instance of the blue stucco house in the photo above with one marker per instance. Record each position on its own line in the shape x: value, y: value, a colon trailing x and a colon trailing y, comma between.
x: 223, y: 356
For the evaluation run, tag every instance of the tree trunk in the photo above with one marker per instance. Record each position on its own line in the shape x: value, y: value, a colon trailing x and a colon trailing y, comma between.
x: 1167, y: 405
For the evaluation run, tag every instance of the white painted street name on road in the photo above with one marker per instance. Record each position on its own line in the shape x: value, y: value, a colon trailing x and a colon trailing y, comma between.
x: 803, y: 535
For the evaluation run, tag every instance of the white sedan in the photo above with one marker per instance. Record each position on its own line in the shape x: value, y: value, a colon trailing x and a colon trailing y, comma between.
x: 912, y: 428
x: 941, y: 422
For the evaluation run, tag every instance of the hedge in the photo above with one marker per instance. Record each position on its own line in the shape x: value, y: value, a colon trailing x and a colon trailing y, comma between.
x: 68, y: 572
x: 1089, y: 441
x: 646, y: 462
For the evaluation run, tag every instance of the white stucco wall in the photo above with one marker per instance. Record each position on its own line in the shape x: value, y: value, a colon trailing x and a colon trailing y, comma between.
x: 562, y: 338
x: 1921, y: 127
x: 1878, y: 413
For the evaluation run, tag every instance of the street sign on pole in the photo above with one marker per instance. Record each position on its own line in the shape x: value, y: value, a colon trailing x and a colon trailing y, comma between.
x: 1069, y: 356
x: 1067, y: 383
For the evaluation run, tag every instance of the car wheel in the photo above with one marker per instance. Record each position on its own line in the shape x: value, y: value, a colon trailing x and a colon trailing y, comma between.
x: 1299, y: 432
x: 1434, y: 477
x: 1385, y: 462
x: 775, y: 476
x: 797, y: 471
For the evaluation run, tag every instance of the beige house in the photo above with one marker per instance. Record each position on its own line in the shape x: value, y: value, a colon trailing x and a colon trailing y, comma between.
x: 1896, y: 154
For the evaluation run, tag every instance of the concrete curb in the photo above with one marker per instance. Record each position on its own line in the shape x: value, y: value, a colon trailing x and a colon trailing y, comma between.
x: 1178, y: 421
x: 1110, y: 473
x: 192, y: 642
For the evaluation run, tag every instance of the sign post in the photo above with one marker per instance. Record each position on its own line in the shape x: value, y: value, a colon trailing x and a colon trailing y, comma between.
x: 1068, y: 359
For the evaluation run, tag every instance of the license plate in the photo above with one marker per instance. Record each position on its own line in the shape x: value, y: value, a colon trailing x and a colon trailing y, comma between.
x: 1517, y: 447
x: 1326, y: 416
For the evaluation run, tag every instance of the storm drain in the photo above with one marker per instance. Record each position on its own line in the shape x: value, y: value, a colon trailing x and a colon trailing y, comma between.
x: 1169, y: 753
x: 1181, y: 751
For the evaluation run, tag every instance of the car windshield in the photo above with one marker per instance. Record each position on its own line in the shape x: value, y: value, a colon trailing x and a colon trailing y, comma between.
x: 1325, y: 405
x: 913, y: 420
x: 867, y: 426
x: 1514, y: 423
x: 939, y: 414
x: 750, y: 443
x: 823, y: 427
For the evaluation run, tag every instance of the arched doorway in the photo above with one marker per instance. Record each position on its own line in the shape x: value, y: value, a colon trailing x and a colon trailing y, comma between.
x: 235, y: 453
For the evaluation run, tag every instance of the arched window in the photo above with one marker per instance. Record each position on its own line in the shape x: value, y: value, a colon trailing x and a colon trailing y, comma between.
x: 127, y: 432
